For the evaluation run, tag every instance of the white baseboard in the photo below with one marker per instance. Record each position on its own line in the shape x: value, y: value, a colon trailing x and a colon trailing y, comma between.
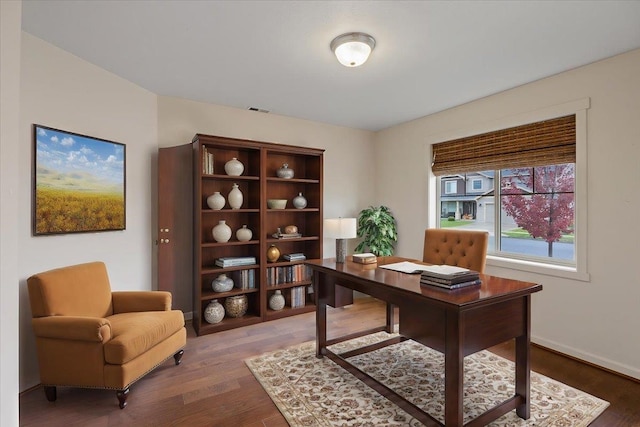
x: 588, y: 357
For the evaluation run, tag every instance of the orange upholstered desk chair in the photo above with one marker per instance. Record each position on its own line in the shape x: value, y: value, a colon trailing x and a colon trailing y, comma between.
x: 461, y: 248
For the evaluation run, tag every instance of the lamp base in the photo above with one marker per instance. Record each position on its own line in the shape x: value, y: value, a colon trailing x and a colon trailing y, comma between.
x: 341, y: 250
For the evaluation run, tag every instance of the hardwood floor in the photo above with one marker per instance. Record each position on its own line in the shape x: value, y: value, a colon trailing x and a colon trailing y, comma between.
x: 213, y: 387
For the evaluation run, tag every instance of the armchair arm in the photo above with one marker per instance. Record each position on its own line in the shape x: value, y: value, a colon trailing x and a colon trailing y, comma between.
x: 131, y: 301
x: 76, y: 328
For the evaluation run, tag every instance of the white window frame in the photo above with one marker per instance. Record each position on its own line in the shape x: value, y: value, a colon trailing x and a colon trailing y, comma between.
x: 473, y: 181
x: 579, y: 270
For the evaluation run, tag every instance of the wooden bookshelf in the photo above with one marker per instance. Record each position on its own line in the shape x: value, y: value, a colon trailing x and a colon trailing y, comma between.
x: 258, y: 182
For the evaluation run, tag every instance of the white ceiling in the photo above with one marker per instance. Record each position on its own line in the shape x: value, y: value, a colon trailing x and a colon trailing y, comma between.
x: 274, y: 55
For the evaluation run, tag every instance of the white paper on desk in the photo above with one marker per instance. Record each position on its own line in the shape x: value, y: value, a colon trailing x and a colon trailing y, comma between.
x: 412, y: 267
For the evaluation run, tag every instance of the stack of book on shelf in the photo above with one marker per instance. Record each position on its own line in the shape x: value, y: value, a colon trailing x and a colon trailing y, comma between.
x: 449, y: 277
x: 298, y: 298
x: 288, y: 274
x: 207, y: 161
x: 287, y: 235
x: 366, y: 258
x: 244, y: 279
x: 234, y: 261
x: 298, y: 256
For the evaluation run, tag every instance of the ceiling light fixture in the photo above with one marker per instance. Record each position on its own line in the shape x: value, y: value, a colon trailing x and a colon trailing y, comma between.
x: 353, y: 49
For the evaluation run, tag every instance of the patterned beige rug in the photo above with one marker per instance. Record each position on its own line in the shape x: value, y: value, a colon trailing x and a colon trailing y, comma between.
x: 317, y: 392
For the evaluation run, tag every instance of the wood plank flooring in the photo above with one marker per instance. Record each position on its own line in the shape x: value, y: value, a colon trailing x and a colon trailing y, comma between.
x: 213, y: 386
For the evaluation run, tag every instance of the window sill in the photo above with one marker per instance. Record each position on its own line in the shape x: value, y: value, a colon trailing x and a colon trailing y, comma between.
x: 538, y: 268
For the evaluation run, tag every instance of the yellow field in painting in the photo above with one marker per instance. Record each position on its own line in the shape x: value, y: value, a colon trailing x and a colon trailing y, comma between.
x: 65, y: 211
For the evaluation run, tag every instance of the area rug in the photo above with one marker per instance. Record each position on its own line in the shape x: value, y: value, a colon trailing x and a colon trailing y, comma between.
x: 317, y: 392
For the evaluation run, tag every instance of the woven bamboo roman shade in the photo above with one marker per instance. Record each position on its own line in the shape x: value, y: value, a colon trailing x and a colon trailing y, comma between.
x: 549, y: 142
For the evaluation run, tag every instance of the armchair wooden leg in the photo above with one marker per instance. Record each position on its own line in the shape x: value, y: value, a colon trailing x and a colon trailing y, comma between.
x: 178, y: 356
x: 122, y: 397
x: 50, y: 392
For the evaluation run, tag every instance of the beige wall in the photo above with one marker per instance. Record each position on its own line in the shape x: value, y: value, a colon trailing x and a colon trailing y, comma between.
x: 62, y: 91
x: 595, y: 320
x: 10, y: 13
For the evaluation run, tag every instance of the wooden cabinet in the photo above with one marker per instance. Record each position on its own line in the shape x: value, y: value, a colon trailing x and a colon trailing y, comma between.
x: 258, y: 183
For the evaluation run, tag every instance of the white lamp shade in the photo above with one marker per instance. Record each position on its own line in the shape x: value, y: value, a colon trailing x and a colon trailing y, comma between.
x: 340, y: 228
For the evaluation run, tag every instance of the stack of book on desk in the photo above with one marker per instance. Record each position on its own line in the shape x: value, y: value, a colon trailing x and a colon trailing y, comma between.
x: 449, y: 277
x: 365, y: 258
x: 234, y: 261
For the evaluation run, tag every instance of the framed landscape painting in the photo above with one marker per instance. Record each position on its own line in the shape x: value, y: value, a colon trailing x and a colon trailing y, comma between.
x: 79, y: 183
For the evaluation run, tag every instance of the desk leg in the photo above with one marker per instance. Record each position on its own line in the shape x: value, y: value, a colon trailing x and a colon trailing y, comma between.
x: 523, y: 361
x: 453, y: 370
x: 321, y: 313
x: 391, y: 309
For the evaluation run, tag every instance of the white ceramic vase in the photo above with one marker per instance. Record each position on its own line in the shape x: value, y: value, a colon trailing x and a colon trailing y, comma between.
x: 221, y: 232
x: 244, y: 234
x: 222, y: 283
x: 276, y: 301
x: 216, y: 201
x: 299, y: 202
x: 285, y: 172
x: 234, y: 167
x: 235, y: 197
x: 214, y: 312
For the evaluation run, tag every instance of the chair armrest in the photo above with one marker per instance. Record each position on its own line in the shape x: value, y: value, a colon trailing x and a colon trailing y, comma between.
x: 76, y: 328
x: 132, y: 301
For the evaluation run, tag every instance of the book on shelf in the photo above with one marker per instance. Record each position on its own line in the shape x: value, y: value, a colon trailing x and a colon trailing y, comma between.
x: 207, y: 161
x: 287, y: 274
x: 458, y: 285
x: 296, y: 297
x: 287, y: 235
x: 235, y: 261
x: 244, y: 279
x: 365, y: 258
x: 298, y: 256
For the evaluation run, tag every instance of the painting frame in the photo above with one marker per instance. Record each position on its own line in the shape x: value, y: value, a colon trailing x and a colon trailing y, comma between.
x: 78, y: 183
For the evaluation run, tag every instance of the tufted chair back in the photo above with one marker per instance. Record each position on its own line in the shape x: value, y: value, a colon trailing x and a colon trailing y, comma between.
x: 461, y: 248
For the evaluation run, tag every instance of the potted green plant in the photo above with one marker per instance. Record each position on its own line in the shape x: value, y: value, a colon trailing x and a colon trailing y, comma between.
x: 377, y: 227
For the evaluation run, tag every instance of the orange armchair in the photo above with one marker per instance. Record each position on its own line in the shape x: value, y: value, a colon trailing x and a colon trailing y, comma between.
x: 89, y: 336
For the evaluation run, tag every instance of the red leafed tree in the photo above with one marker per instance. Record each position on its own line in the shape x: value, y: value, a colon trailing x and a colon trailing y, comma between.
x: 541, y: 200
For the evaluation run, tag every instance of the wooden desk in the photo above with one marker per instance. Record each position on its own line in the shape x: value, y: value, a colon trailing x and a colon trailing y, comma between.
x: 456, y: 323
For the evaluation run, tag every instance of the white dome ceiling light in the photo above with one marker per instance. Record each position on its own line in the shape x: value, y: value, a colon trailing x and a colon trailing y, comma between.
x: 353, y: 49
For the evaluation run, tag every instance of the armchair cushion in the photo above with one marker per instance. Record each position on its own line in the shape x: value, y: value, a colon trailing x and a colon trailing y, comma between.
x: 135, y: 333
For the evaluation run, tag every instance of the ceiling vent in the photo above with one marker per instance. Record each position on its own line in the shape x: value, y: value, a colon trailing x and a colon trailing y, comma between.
x: 260, y: 110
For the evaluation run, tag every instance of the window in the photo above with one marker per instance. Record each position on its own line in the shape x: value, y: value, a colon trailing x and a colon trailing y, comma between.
x: 528, y: 202
x: 450, y: 187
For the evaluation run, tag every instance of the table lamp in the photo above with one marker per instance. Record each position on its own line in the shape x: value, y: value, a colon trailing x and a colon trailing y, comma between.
x: 340, y: 229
